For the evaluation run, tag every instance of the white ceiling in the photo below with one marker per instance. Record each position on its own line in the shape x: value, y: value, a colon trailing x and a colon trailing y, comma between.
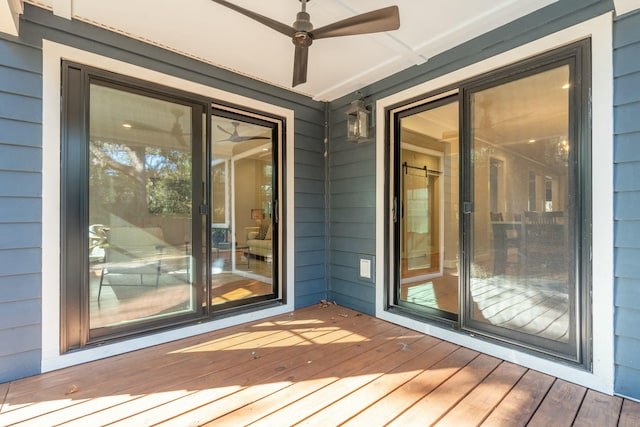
x: 337, y: 66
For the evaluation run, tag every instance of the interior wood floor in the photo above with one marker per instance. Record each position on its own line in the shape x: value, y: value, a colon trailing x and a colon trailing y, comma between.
x: 319, y: 366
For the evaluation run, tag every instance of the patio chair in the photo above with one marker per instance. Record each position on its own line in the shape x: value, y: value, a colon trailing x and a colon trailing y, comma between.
x: 132, y: 251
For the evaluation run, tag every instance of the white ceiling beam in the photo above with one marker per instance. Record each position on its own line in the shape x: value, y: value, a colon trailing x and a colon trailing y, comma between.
x: 63, y: 8
x: 626, y: 6
x: 10, y: 11
x: 387, y: 39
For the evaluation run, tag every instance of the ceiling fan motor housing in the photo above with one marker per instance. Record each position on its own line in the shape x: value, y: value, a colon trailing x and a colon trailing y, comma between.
x: 302, y: 26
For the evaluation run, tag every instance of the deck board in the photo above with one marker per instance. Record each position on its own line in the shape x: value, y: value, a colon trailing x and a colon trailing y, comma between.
x: 352, y: 375
x: 254, y: 363
x: 395, y: 403
x: 560, y: 405
x: 517, y: 408
x: 630, y: 414
x: 349, y: 406
x: 316, y: 366
x: 599, y: 409
x: 481, y: 401
x: 431, y: 408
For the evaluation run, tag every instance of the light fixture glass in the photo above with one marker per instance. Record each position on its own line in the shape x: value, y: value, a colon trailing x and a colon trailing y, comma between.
x: 357, y: 122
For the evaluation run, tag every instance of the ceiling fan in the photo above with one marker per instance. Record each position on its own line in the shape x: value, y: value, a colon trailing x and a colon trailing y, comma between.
x: 235, y: 137
x: 302, y: 33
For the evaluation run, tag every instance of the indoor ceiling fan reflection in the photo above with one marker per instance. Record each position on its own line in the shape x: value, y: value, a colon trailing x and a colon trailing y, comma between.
x: 302, y: 33
x: 176, y: 130
x: 235, y: 137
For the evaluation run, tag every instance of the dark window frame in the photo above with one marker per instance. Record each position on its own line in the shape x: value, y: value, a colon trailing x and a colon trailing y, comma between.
x: 75, y: 333
x: 579, y: 55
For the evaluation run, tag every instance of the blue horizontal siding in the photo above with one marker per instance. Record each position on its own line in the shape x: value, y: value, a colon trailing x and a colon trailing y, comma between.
x: 627, y: 203
x: 20, y: 184
x: 626, y: 234
x: 625, y: 118
x: 20, y: 365
x: 21, y: 108
x: 22, y: 339
x: 21, y: 57
x: 627, y: 176
x: 20, y: 158
x: 20, y: 235
x: 20, y: 288
x: 310, y: 273
x: 20, y: 208
x: 17, y: 314
x: 625, y: 148
x: 627, y: 89
x: 20, y: 82
x: 20, y: 133
x: 625, y: 59
x: 310, y: 229
x: 20, y: 261
x: 306, y: 200
x: 310, y: 257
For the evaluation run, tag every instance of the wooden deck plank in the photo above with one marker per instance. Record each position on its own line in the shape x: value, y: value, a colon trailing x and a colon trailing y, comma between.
x: 31, y: 388
x: 4, y: 390
x: 630, y: 414
x: 434, y: 405
x: 202, y: 406
x: 560, y: 405
x: 177, y: 366
x: 598, y: 409
x: 122, y: 389
x: 350, y: 405
x: 385, y: 410
x: 317, y: 366
x: 355, y: 374
x: 237, y: 372
x: 329, y: 377
x: 485, y: 397
x: 422, y: 351
x: 517, y: 408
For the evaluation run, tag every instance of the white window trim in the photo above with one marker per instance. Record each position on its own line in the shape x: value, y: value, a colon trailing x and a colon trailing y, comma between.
x: 602, y: 376
x: 53, y: 54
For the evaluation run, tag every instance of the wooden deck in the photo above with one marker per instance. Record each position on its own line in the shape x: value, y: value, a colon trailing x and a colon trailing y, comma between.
x: 319, y: 367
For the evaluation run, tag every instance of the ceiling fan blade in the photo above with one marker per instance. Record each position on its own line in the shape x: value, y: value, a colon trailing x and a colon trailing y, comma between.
x: 300, y: 65
x: 224, y: 130
x: 385, y: 19
x: 285, y: 29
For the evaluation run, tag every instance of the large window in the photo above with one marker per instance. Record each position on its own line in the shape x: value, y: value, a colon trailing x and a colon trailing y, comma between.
x: 170, y: 207
x: 490, y: 194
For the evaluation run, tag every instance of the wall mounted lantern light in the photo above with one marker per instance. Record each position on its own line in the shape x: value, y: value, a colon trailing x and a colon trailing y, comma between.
x: 357, y: 122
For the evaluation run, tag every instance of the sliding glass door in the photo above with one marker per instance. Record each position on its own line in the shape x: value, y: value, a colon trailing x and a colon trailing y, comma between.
x: 524, y: 281
x: 170, y: 208
x: 141, y: 216
x: 427, y: 196
x: 490, y: 233
x: 244, y: 230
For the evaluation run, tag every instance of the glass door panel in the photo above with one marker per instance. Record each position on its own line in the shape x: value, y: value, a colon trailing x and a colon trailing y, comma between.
x: 243, y: 230
x: 428, y: 202
x: 140, y: 210
x: 521, y: 285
